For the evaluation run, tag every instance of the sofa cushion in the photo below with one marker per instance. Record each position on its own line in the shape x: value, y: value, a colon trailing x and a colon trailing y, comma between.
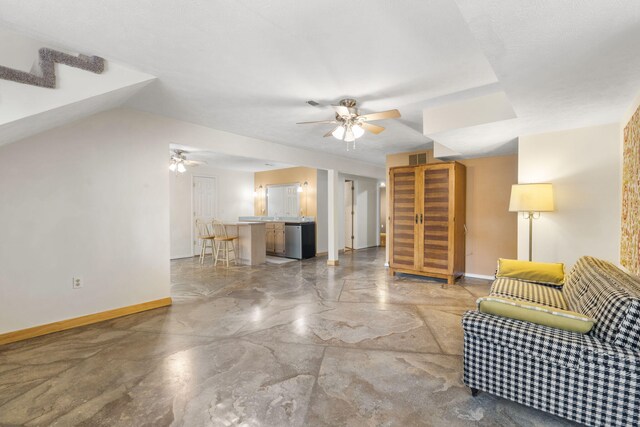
x: 536, y: 313
x: 531, y: 292
x: 536, y: 272
x: 600, y: 290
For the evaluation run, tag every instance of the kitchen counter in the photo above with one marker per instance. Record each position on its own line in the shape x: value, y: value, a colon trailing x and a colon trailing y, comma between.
x: 251, y: 241
x: 285, y: 219
x: 291, y: 237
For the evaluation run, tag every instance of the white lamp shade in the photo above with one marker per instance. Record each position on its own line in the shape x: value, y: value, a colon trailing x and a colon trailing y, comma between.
x: 181, y: 168
x: 357, y: 131
x: 173, y: 166
x: 531, y: 198
x: 338, y: 133
x: 348, y: 136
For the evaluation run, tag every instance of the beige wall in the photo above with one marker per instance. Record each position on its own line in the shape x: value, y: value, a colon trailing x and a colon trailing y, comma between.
x: 492, y: 229
x: 308, y: 198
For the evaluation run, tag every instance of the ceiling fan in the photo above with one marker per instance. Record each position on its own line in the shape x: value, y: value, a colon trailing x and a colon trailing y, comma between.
x: 351, y: 124
x: 178, y: 161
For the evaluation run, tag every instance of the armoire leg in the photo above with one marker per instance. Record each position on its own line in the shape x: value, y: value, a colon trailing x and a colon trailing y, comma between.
x: 474, y: 391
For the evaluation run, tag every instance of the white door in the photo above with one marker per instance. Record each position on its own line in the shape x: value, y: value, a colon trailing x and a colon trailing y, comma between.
x: 204, y: 204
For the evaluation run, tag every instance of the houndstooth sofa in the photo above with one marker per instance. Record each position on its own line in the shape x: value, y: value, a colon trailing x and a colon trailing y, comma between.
x: 590, y: 378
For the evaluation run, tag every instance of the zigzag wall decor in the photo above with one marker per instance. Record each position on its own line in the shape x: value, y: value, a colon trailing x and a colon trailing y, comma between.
x: 46, y: 77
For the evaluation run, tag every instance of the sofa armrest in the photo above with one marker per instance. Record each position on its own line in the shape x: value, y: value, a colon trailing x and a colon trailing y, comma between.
x: 570, y: 349
x: 555, y: 345
x: 611, y: 356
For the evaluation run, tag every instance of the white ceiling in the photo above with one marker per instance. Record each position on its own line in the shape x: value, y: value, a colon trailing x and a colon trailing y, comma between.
x: 228, y: 162
x: 248, y: 67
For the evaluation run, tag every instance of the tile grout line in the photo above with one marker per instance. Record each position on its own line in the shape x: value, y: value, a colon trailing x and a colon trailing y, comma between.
x: 315, y: 386
x: 342, y: 289
x: 426, y: 324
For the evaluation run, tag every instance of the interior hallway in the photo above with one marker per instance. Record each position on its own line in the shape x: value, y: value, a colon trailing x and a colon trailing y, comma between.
x: 295, y: 344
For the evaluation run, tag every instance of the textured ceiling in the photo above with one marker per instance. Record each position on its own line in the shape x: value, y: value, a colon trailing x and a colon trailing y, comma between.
x: 563, y: 64
x: 248, y: 67
x: 225, y: 161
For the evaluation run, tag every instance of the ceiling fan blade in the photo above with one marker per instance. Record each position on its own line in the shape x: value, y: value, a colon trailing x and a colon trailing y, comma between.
x: 194, y: 162
x: 389, y: 114
x: 342, y: 110
x: 330, y: 132
x: 372, y: 128
x: 319, y: 121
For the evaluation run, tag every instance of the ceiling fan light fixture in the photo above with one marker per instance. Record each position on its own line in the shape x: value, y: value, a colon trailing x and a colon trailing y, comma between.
x: 349, y: 136
x: 357, y: 131
x: 173, y: 166
x: 181, y: 168
x: 338, y: 133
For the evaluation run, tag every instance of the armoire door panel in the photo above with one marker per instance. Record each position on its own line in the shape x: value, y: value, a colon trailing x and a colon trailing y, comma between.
x: 403, y: 218
x: 436, y: 227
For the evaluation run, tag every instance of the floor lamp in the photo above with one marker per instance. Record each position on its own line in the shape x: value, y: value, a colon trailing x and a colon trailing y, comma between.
x: 531, y: 199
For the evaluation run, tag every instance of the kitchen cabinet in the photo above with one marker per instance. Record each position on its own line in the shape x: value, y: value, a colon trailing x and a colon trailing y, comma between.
x: 275, y: 238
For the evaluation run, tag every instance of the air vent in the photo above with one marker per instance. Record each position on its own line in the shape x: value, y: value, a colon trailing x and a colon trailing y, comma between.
x: 312, y: 103
x: 418, y: 159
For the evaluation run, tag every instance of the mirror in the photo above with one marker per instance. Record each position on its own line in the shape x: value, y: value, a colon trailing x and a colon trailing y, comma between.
x: 283, y: 200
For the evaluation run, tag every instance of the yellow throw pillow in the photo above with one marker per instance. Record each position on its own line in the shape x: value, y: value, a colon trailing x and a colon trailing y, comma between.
x: 549, y: 273
x: 536, y: 313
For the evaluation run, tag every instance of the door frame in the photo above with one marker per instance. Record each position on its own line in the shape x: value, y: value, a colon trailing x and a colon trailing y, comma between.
x: 192, y: 214
x: 353, y: 216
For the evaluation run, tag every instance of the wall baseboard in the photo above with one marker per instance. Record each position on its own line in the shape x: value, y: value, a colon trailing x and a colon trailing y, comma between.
x: 63, y: 325
x: 479, y: 276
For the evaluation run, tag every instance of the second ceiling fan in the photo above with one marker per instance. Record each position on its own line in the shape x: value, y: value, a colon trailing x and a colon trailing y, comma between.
x: 350, y: 124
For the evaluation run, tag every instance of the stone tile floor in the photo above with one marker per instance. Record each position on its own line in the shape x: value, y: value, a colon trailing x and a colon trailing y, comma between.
x: 295, y: 344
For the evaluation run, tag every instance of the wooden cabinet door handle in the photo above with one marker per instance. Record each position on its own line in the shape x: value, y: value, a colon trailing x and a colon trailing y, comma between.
x: 420, y: 218
x: 416, y: 218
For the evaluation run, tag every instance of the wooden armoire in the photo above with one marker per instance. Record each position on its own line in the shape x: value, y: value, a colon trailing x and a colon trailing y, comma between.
x: 426, y: 233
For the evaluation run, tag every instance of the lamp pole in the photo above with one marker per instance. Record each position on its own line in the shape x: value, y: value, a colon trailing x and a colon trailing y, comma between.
x: 530, y: 215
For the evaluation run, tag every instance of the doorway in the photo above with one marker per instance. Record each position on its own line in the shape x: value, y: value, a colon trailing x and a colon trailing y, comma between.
x: 349, y: 215
x: 204, y: 204
x: 383, y: 214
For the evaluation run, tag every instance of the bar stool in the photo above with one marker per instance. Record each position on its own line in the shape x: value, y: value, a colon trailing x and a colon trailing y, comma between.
x: 224, y: 243
x: 207, y: 238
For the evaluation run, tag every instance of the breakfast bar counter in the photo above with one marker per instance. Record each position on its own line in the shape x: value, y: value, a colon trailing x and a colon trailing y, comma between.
x: 251, y: 245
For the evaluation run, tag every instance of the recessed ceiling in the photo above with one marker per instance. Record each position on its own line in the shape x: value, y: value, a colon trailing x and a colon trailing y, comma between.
x: 249, y: 67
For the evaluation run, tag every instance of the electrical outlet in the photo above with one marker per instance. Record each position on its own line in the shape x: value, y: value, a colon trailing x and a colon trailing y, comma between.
x: 77, y: 283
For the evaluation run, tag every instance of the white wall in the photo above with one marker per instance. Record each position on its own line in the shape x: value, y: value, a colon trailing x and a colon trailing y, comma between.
x: 322, y: 220
x: 584, y: 166
x: 88, y: 200
x: 234, y: 198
